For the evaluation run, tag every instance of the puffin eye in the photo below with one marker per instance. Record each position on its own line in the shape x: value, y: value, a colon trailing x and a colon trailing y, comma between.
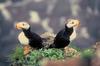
x: 23, y: 24
x: 72, y: 22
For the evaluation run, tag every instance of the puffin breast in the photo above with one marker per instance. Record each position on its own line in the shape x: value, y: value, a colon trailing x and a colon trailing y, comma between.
x: 73, y: 35
x: 23, y: 39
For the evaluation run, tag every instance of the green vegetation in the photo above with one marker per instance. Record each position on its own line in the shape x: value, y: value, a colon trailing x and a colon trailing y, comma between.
x: 17, y: 54
x: 87, y: 53
x: 36, y: 56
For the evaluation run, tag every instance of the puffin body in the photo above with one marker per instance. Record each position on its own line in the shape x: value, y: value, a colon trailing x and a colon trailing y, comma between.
x: 66, y: 35
x: 27, y: 38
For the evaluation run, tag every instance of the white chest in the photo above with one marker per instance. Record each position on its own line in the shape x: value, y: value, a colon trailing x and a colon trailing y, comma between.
x: 23, y: 39
x: 73, y: 35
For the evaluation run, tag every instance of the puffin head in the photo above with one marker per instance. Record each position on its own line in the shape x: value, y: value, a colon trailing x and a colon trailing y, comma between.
x: 22, y: 25
x: 72, y: 23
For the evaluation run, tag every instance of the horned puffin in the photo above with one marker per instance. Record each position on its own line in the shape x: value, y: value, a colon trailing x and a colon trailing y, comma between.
x: 28, y: 38
x: 66, y: 35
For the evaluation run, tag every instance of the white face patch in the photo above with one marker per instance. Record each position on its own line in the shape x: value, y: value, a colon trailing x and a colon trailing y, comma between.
x: 23, y: 39
x: 73, y: 23
x: 69, y: 25
x: 25, y: 25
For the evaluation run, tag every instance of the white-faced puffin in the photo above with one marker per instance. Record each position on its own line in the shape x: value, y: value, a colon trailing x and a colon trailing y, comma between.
x: 66, y: 35
x: 27, y: 38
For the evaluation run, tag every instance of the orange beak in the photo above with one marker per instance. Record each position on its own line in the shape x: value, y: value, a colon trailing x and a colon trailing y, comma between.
x: 77, y: 23
x: 18, y: 26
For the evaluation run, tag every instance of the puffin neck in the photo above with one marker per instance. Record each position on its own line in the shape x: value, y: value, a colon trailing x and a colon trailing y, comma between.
x: 69, y: 31
x: 27, y: 32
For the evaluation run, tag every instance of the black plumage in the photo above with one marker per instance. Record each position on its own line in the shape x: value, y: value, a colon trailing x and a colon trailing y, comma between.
x: 35, y: 40
x: 62, y: 38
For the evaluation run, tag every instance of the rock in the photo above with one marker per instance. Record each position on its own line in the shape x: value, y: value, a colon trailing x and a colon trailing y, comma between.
x: 48, y: 39
x: 66, y: 62
x: 71, y: 52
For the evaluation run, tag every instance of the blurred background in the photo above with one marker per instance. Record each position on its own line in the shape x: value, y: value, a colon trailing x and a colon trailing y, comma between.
x: 47, y: 15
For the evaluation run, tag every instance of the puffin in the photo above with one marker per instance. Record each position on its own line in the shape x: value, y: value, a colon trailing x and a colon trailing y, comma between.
x: 66, y: 35
x: 28, y: 38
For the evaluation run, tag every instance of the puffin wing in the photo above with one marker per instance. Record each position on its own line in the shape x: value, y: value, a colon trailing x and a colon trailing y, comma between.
x: 61, y: 40
x: 36, y: 41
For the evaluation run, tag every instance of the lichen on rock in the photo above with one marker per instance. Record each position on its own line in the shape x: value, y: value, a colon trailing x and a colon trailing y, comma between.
x: 48, y: 39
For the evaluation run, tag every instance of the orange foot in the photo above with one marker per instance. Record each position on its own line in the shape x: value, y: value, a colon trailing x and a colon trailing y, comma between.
x: 26, y: 49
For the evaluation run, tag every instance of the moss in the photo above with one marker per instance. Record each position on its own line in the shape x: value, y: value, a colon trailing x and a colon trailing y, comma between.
x: 36, y: 56
x: 17, y: 54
